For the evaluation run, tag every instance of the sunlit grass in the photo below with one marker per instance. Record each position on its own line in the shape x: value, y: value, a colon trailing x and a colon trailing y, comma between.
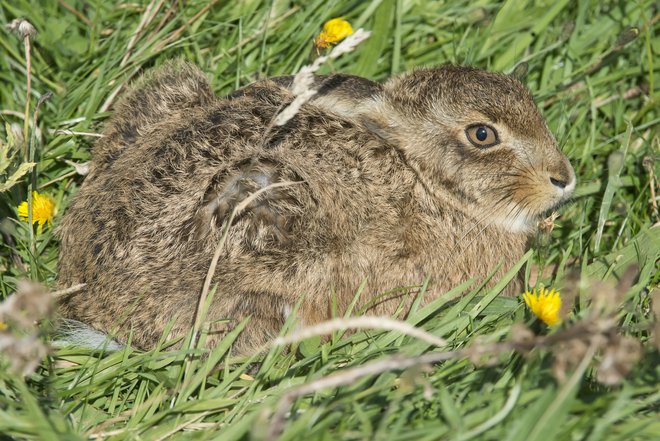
x: 596, y: 83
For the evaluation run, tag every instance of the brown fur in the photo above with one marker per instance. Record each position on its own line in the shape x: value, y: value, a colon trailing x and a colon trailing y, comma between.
x: 391, y: 191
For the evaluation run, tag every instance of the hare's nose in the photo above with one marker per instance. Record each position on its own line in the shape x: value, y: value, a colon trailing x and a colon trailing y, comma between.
x: 559, y: 182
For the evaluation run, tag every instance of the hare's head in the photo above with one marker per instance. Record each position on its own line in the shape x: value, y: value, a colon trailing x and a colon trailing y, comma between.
x: 478, y: 135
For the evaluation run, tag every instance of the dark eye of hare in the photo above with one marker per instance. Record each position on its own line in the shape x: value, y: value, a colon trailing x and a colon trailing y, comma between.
x: 481, y: 135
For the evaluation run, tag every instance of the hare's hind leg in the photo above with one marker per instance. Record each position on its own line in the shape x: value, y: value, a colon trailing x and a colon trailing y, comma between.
x: 266, y: 314
x: 268, y: 215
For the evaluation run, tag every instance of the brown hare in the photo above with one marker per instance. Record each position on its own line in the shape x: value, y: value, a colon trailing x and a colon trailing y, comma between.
x: 441, y: 173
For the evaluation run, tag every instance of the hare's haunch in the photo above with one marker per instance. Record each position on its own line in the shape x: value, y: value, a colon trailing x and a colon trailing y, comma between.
x: 441, y: 173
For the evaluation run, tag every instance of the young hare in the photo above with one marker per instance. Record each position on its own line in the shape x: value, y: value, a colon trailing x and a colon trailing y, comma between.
x: 441, y: 173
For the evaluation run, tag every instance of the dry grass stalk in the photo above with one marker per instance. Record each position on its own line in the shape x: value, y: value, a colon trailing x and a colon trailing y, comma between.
x: 548, y: 224
x: 271, y: 24
x: 218, y: 251
x: 149, y: 13
x: 167, y: 16
x: 655, y: 310
x: 177, y: 32
x: 302, y: 83
x: 649, y: 165
x: 365, y: 322
x: 12, y: 113
x: 147, y: 18
x: 74, y: 133
x: 81, y: 168
x: 75, y: 12
x: 628, y: 94
x: 65, y: 292
x: 111, y: 98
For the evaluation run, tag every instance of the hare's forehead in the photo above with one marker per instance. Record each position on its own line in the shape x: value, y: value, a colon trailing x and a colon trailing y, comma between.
x: 512, y: 108
x: 455, y: 94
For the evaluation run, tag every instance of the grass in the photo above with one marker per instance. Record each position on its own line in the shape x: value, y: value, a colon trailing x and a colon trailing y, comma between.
x: 596, y: 82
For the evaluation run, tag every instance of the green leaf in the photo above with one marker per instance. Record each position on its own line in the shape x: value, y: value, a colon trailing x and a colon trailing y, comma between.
x: 646, y: 245
x: 23, y: 169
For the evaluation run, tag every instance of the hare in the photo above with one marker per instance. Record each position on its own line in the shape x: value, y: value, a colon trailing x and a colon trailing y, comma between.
x: 441, y: 173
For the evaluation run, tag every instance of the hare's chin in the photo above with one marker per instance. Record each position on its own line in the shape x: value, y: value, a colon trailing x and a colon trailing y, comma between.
x: 521, y: 223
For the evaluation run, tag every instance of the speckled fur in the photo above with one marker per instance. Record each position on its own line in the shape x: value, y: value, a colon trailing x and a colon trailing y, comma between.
x: 390, y: 192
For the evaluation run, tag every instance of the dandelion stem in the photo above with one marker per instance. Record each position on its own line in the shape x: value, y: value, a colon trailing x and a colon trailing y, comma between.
x: 33, y: 180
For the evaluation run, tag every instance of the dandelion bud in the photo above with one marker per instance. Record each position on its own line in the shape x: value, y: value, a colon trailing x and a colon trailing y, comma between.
x: 520, y: 71
x: 628, y: 35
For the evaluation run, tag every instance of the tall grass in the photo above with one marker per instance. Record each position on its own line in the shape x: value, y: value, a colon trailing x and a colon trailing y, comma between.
x: 596, y: 81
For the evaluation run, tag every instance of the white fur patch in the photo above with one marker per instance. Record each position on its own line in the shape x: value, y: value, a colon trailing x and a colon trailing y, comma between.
x: 517, y: 224
x: 75, y: 333
x: 287, y: 310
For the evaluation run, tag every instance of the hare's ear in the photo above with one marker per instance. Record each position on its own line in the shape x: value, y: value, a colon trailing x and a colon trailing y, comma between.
x: 381, y: 128
x: 173, y: 87
x: 377, y: 127
x: 520, y: 71
x: 373, y: 119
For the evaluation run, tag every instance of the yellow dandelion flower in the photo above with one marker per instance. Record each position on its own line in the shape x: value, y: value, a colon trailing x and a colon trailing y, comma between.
x: 333, y: 32
x: 3, y: 326
x: 545, y: 305
x: 43, y: 209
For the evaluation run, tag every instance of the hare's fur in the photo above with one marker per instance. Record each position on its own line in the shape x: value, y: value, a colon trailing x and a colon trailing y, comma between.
x: 386, y: 189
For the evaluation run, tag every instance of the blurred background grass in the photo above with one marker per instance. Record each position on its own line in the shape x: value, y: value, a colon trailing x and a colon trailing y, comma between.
x: 596, y: 81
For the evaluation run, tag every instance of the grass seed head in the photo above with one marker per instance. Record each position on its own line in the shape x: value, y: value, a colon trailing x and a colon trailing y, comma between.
x: 20, y: 314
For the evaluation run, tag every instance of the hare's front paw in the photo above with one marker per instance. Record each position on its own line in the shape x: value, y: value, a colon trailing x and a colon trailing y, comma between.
x: 265, y: 217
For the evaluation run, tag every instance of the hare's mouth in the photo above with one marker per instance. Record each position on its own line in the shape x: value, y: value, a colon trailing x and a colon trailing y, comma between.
x: 558, y: 205
x: 526, y: 208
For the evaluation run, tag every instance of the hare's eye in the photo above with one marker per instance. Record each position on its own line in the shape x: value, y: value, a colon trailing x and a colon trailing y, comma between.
x: 481, y: 135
